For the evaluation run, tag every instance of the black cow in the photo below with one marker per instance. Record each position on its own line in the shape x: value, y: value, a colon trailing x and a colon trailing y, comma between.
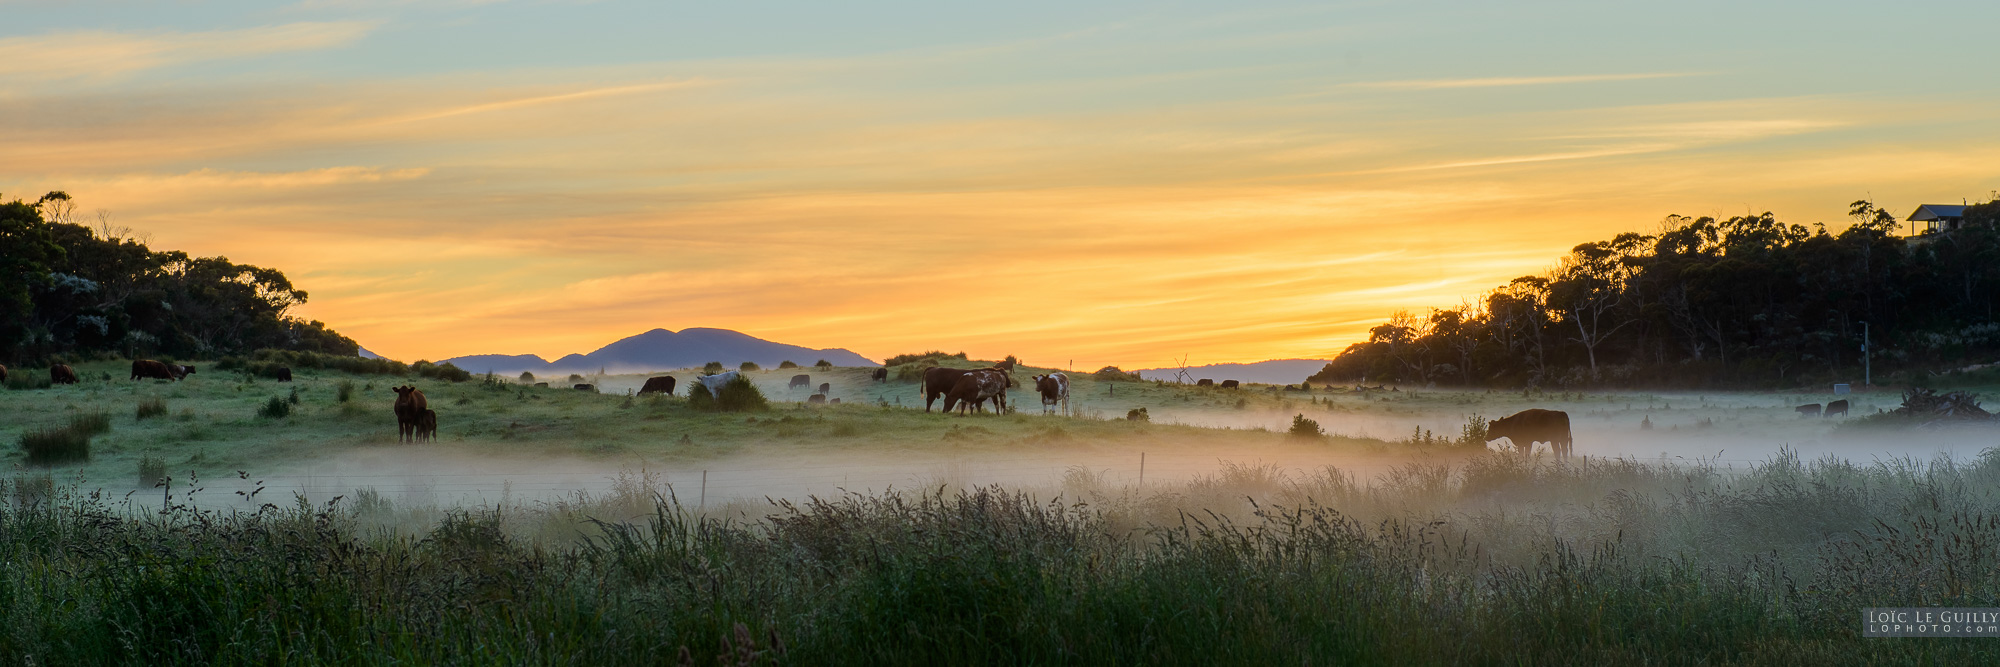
x: 826, y: 387
x: 938, y: 381
x: 585, y: 387
x: 800, y: 381
x: 143, y: 369
x: 1204, y: 382
x: 1527, y: 427
x: 283, y: 374
x: 427, y: 426
x: 1229, y: 384
x: 880, y: 375
x: 1807, y: 410
x: 1839, y: 406
x: 663, y: 384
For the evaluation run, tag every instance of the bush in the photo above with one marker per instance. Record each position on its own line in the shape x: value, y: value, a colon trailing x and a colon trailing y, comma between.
x: 1113, y: 374
x: 823, y: 364
x: 1138, y: 415
x: 933, y: 356
x: 152, y: 471
x: 748, y: 366
x: 1305, y: 429
x: 711, y: 368
x: 151, y: 407
x: 1473, y: 433
x: 527, y: 377
x: 276, y: 408
x: 266, y: 361
x: 294, y: 398
x: 344, y: 391
x: 914, y: 371
x: 50, y: 445
x: 740, y: 395
x: 444, y: 371
x: 786, y: 364
x: 91, y: 423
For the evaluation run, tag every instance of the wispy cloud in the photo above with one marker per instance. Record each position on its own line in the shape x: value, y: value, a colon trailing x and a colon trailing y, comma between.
x: 99, y: 53
x: 1507, y: 81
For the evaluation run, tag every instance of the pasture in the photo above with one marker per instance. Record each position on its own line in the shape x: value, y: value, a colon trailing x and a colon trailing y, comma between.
x: 550, y: 525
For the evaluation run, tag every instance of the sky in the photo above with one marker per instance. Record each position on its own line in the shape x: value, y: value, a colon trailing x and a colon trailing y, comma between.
x: 1089, y: 183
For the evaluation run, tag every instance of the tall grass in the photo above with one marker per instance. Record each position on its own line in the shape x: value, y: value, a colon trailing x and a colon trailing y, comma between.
x: 150, y: 407
x: 54, y: 444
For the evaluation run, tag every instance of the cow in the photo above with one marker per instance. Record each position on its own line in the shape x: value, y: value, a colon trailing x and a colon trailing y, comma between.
x: 543, y: 385
x: 826, y: 387
x: 975, y: 387
x: 148, y: 368
x: 282, y: 374
x: 62, y: 374
x: 816, y: 398
x: 585, y: 387
x: 881, y: 375
x: 715, y: 383
x: 427, y: 427
x: 663, y: 384
x: 3, y: 372
x: 1839, y: 406
x: 1054, y: 389
x: 799, y: 381
x: 1807, y: 410
x: 183, y: 371
x: 410, y: 409
x: 1229, y: 384
x: 833, y: 400
x: 1527, y: 427
x: 1204, y: 382
x: 939, y: 380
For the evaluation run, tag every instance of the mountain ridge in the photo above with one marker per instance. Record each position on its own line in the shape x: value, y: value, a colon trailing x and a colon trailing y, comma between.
x: 663, y: 349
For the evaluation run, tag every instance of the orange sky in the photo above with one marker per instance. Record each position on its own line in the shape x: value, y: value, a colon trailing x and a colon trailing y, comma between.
x: 1103, y: 189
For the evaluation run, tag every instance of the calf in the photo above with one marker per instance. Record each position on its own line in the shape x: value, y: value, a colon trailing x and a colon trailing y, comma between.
x: 1807, y: 410
x: 427, y: 427
x: 1054, y: 389
x: 62, y: 374
x: 1839, y: 406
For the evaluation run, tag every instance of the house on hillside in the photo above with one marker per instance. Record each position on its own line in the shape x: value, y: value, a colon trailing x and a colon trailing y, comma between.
x: 1938, y: 217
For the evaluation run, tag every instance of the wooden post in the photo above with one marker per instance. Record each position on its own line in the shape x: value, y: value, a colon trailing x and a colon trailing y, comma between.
x: 1142, y: 472
x: 704, y: 491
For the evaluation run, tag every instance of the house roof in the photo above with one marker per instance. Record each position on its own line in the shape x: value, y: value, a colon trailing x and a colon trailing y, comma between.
x: 1931, y: 212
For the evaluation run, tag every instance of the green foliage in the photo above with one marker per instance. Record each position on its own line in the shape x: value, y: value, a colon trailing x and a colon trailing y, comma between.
x: 823, y: 364
x: 276, y: 408
x: 1473, y: 433
x: 747, y: 366
x: 50, y: 445
x: 20, y: 379
x: 344, y: 391
x: 150, y: 407
x: 786, y: 364
x: 293, y: 398
x: 1138, y: 415
x: 933, y: 355
x: 444, y: 371
x: 265, y: 363
x: 1305, y: 429
x: 739, y: 395
x: 91, y: 423
x: 709, y: 368
x: 1113, y: 374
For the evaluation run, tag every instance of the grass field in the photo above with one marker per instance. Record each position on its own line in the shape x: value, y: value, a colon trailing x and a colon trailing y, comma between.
x: 555, y: 526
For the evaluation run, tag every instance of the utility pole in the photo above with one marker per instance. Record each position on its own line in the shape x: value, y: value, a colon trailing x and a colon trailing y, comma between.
x: 1867, y: 372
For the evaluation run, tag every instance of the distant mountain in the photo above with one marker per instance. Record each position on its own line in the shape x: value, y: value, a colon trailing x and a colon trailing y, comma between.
x: 660, y: 350
x: 365, y: 354
x: 1276, y: 371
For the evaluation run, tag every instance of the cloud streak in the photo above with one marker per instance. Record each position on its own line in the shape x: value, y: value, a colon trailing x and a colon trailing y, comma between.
x: 99, y: 54
x: 1515, y: 81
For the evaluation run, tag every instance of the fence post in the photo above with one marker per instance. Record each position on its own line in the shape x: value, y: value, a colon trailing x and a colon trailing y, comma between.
x: 704, y: 492
x: 1142, y: 472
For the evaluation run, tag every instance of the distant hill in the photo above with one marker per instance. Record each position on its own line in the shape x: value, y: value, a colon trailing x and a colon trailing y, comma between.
x: 1276, y: 371
x: 660, y: 350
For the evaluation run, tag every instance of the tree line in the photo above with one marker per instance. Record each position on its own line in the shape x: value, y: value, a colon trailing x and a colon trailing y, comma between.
x: 1747, y: 301
x: 70, y: 290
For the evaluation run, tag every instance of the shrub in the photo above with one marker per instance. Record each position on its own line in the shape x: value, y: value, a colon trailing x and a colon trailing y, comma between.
x: 50, y: 445
x: 151, y: 407
x: 1113, y: 374
x: 1305, y: 429
x: 344, y: 391
x: 294, y: 397
x: 1138, y: 415
x: 786, y: 364
x: 575, y: 379
x: 444, y: 371
x: 276, y: 408
x: 152, y: 471
x: 262, y: 360
x: 1473, y: 433
x: 91, y: 423
x: 914, y: 371
x: 740, y: 395
x: 22, y: 380
x: 822, y: 364
x: 933, y: 355
x: 527, y: 377
x: 748, y: 366
x: 710, y: 368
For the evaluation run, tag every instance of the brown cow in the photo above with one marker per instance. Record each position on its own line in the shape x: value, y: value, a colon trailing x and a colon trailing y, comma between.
x: 1204, y: 382
x: 881, y: 375
x: 976, y: 387
x: 62, y: 374
x: 3, y: 372
x: 1527, y: 427
x: 663, y: 385
x: 1839, y: 406
x: 816, y: 398
x: 147, y: 368
x: 410, y: 408
x: 1229, y: 384
x: 427, y: 427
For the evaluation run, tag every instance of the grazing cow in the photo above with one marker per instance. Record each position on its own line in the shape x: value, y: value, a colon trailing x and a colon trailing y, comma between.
x: 184, y: 371
x: 147, y: 368
x: 585, y: 387
x: 881, y: 375
x: 1204, y: 382
x: 663, y: 384
x: 282, y: 374
x: 975, y: 387
x: 826, y: 387
x: 833, y: 400
x: 715, y: 383
x: 427, y: 427
x: 410, y: 408
x: 1807, y: 410
x: 1527, y: 427
x: 1229, y: 384
x: 62, y: 374
x: 543, y: 385
x: 800, y: 381
x: 1054, y: 389
x: 816, y: 398
x: 3, y: 372
x: 1839, y: 406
